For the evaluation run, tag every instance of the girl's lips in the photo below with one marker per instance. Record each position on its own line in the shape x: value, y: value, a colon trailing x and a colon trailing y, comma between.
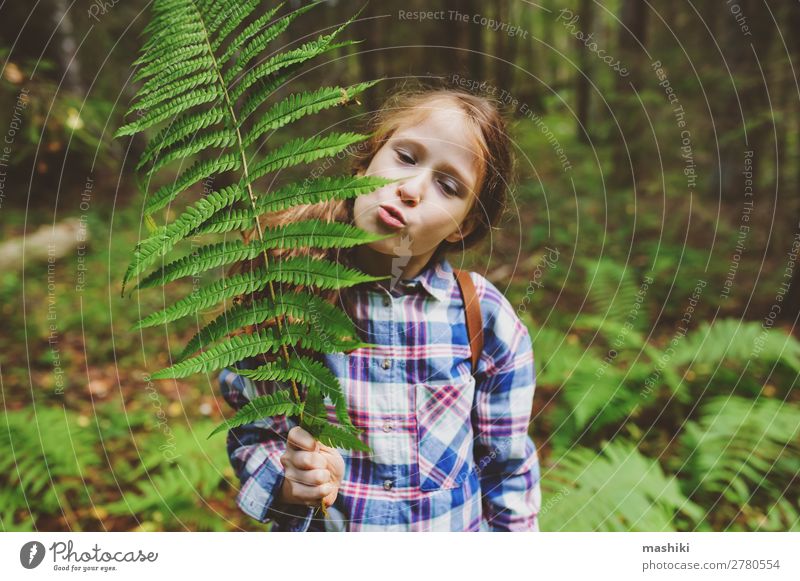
x: 387, y: 218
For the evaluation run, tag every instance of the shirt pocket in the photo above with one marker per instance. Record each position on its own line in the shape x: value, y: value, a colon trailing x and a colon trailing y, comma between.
x: 444, y: 432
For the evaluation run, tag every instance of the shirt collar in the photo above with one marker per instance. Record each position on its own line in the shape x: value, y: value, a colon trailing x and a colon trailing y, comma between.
x: 436, y: 278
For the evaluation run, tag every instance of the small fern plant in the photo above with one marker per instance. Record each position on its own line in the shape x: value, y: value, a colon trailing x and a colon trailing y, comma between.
x: 208, y: 82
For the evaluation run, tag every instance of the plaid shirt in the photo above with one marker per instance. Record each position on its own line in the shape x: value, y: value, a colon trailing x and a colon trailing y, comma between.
x: 450, y: 451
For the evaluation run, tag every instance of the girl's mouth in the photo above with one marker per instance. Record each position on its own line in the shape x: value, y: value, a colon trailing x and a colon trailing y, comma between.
x: 389, y: 218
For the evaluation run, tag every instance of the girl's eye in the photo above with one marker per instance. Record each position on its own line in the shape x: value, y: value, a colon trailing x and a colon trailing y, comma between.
x: 404, y: 157
x: 448, y: 188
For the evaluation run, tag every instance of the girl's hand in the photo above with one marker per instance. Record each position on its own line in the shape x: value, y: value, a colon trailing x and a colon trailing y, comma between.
x: 313, y: 470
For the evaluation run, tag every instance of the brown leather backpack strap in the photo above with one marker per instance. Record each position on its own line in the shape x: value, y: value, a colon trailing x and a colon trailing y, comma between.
x: 473, y: 314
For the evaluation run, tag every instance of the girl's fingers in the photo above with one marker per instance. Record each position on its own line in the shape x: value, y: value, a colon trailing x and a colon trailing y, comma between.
x: 300, y: 439
x: 308, y: 477
x: 304, y: 460
x: 300, y: 493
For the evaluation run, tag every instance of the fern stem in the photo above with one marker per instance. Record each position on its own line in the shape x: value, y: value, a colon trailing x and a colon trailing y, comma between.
x: 240, y: 146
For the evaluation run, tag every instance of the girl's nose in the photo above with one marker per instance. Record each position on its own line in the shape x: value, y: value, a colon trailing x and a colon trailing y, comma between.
x: 410, y: 191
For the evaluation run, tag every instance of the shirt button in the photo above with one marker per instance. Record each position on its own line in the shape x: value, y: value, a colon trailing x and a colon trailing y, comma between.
x: 387, y: 301
x: 388, y: 427
x: 387, y: 484
x: 386, y: 363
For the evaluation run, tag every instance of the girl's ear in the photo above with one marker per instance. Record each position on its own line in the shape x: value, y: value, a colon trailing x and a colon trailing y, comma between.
x: 466, y: 229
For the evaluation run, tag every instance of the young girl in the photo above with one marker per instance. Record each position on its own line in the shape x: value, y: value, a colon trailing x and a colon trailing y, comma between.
x: 450, y: 444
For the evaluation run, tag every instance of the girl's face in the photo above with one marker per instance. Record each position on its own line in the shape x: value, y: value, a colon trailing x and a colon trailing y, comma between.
x: 438, y: 164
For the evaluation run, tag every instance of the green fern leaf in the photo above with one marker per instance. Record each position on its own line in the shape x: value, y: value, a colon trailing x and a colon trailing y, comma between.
x: 223, y: 138
x: 263, y: 341
x: 175, y: 73
x: 233, y: 21
x: 740, y: 445
x: 307, y: 234
x: 275, y: 404
x: 616, y: 490
x: 185, y: 125
x: 166, y: 238
x: 257, y: 41
x: 199, y: 60
x: 294, y: 194
x: 297, y: 106
x: 337, y: 437
x: 309, y: 372
x: 303, y: 271
x: 303, y: 306
x: 198, y: 172
x: 174, y: 91
x: 171, y: 109
x: 303, y: 150
x: 299, y: 55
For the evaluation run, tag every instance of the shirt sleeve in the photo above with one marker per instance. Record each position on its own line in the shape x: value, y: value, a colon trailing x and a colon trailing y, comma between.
x: 505, y: 455
x: 254, y: 451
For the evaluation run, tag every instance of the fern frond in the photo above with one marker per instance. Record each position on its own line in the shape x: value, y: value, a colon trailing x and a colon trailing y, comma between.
x: 297, y: 106
x: 176, y: 72
x: 740, y: 445
x: 737, y: 341
x: 225, y: 21
x: 306, y: 234
x: 227, y: 353
x: 232, y: 22
x: 262, y: 341
x: 171, y: 109
x: 257, y: 41
x: 198, y: 172
x: 303, y: 150
x: 166, y: 238
x: 296, y: 56
x: 295, y: 194
x: 275, y: 404
x: 309, y: 372
x: 222, y: 138
x: 174, y: 91
x: 185, y: 125
x: 263, y: 89
x: 616, y: 490
x: 337, y: 437
x: 303, y: 271
x: 200, y: 59
x: 302, y: 306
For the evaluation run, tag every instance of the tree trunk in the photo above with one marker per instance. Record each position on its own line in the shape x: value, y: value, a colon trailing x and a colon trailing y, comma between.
x: 584, y: 75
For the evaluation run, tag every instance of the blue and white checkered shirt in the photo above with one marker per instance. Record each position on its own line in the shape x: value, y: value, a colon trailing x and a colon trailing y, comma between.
x: 450, y: 451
